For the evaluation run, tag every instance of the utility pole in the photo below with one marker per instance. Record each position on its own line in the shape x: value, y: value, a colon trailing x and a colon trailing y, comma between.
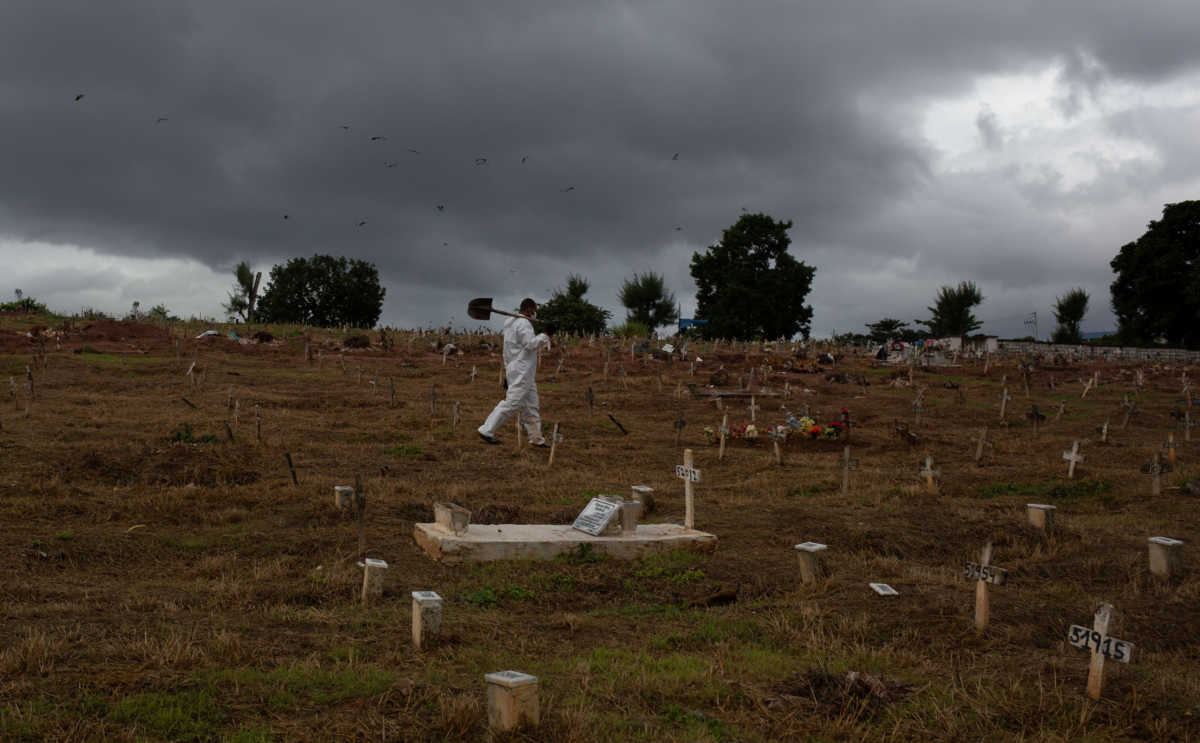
x: 1032, y: 321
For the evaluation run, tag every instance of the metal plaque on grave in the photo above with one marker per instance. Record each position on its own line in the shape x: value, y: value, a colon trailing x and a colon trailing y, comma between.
x: 596, y: 516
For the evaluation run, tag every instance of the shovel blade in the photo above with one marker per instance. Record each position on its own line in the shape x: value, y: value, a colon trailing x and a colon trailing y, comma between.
x: 480, y: 309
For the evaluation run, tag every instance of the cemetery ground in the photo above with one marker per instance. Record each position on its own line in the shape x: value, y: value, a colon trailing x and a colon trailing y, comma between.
x: 162, y: 581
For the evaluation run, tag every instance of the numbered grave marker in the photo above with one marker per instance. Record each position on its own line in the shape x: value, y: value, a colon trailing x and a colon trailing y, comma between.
x: 1156, y: 470
x: 985, y: 573
x: 1102, y: 646
x: 596, y: 516
x: 689, y: 475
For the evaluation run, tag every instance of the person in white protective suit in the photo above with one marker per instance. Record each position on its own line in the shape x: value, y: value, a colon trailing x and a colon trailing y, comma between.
x: 520, y: 365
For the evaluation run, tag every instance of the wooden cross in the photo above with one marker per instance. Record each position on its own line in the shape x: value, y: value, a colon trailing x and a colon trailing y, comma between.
x: 1004, y: 398
x: 983, y: 609
x: 689, y: 475
x: 929, y: 473
x: 1170, y: 445
x: 1062, y: 404
x: 1087, y: 386
x: 1129, y: 406
x: 1073, y: 457
x: 724, y: 431
x: 1157, y: 468
x: 847, y: 464
x: 1104, y: 433
x: 591, y: 400
x: 555, y: 437
x: 753, y: 410
x: 1102, y: 646
x: 983, y: 441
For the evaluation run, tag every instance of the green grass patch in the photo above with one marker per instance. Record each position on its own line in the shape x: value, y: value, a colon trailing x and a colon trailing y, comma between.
x: 810, y: 491
x: 181, y: 715
x: 1058, y: 491
x: 403, y: 451
x: 185, y: 435
x: 581, y: 555
x: 288, y: 687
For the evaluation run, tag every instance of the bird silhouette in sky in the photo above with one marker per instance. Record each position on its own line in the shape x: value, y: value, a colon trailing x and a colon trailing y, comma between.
x: 675, y: 156
x: 481, y: 161
x: 389, y: 164
x: 445, y: 244
x: 415, y: 152
x: 285, y: 216
x: 362, y: 223
x: 161, y: 119
x: 378, y: 138
x: 343, y: 127
x: 79, y: 97
x: 523, y: 159
x: 441, y: 207
x: 568, y: 189
x: 678, y: 228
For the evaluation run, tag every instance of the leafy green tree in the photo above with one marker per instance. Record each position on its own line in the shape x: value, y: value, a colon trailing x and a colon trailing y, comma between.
x: 24, y: 305
x: 568, y: 312
x: 749, y: 286
x: 239, y: 299
x: 890, y: 328
x: 952, y: 311
x: 1069, y: 310
x: 1156, y: 293
x: 160, y: 313
x: 648, y: 301
x: 323, y: 291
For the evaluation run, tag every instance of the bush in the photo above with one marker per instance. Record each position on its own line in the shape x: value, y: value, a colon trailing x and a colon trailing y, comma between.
x: 357, y: 341
x: 630, y: 329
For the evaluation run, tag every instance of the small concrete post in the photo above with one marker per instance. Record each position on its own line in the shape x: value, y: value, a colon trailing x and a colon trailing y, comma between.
x: 1170, y: 446
x: 452, y: 518
x: 372, y: 588
x: 343, y: 496
x: 631, y: 511
x: 512, y: 700
x: 644, y: 494
x: 1041, y: 515
x: 426, y: 618
x: 812, y: 564
x: 1165, y: 554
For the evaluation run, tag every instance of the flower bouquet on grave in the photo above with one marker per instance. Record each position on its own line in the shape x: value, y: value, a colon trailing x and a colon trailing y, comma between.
x: 710, y: 436
x: 834, y: 430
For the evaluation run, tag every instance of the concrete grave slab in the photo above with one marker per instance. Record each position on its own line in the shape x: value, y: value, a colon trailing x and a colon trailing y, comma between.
x: 488, y: 542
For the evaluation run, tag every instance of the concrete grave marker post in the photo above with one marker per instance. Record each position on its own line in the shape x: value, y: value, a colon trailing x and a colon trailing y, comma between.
x: 1102, y: 646
x: 1073, y: 457
x: 847, y: 464
x: 426, y: 618
x: 1170, y: 445
x: 724, y: 431
x: 643, y: 494
x: 1156, y: 470
x: 812, y: 564
x: 689, y: 475
x: 929, y: 473
x: 1040, y: 515
x: 512, y: 700
x: 1165, y: 554
x: 343, y: 496
x: 373, y: 572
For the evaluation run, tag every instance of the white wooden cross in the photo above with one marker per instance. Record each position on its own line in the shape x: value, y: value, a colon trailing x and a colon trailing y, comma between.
x: 983, y: 441
x: 689, y: 475
x: 1102, y: 646
x: 1073, y: 457
x: 983, y: 573
x: 753, y: 410
x: 555, y: 438
x: 1004, y: 398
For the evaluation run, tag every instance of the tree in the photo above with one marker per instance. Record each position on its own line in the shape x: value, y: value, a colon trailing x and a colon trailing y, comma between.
x: 1069, y: 310
x: 323, y: 291
x: 241, y: 298
x: 952, y: 311
x: 749, y: 286
x: 1156, y: 293
x: 648, y: 301
x: 889, y: 328
x: 568, y: 312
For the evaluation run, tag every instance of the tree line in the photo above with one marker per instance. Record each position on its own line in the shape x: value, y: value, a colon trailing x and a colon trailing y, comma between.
x: 748, y: 285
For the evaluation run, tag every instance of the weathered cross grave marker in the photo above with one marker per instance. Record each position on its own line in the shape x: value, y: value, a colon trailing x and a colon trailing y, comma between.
x: 983, y: 573
x: 1073, y: 457
x: 753, y: 410
x: 777, y: 438
x: 1130, y: 406
x: 1102, y: 646
x: 555, y: 440
x: 929, y: 473
x: 1165, y: 554
x: 426, y: 618
x: 1004, y: 398
x: 689, y: 475
x: 982, y: 443
x: 1156, y: 470
x: 1103, y: 433
x: 723, y: 432
x: 847, y: 464
x: 812, y: 566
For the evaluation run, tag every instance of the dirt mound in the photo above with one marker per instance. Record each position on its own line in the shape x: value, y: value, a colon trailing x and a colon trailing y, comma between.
x: 860, y: 694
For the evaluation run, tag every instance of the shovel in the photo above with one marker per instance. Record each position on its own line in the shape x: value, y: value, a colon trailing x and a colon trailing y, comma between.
x: 481, y: 309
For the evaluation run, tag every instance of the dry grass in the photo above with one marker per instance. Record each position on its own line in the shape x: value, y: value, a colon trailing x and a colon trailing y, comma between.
x: 161, y: 584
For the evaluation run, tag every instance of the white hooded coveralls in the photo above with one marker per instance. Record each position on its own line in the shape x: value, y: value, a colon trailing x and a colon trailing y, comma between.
x: 520, y: 368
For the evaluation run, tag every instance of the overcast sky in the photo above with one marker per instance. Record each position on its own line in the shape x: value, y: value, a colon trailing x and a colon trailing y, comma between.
x: 913, y: 143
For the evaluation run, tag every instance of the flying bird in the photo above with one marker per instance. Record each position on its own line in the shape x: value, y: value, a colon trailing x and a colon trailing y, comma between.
x: 481, y: 161
x: 389, y: 164
x: 362, y: 223
x: 378, y: 138
x: 285, y: 216
x: 678, y: 228
x: 415, y: 152
x: 568, y: 188
x: 343, y: 127
x: 161, y: 119
x: 523, y: 159
x: 79, y: 98
x: 441, y: 207
x: 675, y: 156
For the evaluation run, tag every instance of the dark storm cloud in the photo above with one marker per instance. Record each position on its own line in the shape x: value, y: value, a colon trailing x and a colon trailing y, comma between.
x: 807, y: 113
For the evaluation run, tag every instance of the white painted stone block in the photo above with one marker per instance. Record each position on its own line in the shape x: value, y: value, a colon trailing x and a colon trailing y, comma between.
x: 452, y: 518
x: 1040, y: 515
x: 373, y: 571
x: 426, y: 617
x: 1165, y: 554
x: 343, y: 496
x: 812, y: 564
x: 512, y: 700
